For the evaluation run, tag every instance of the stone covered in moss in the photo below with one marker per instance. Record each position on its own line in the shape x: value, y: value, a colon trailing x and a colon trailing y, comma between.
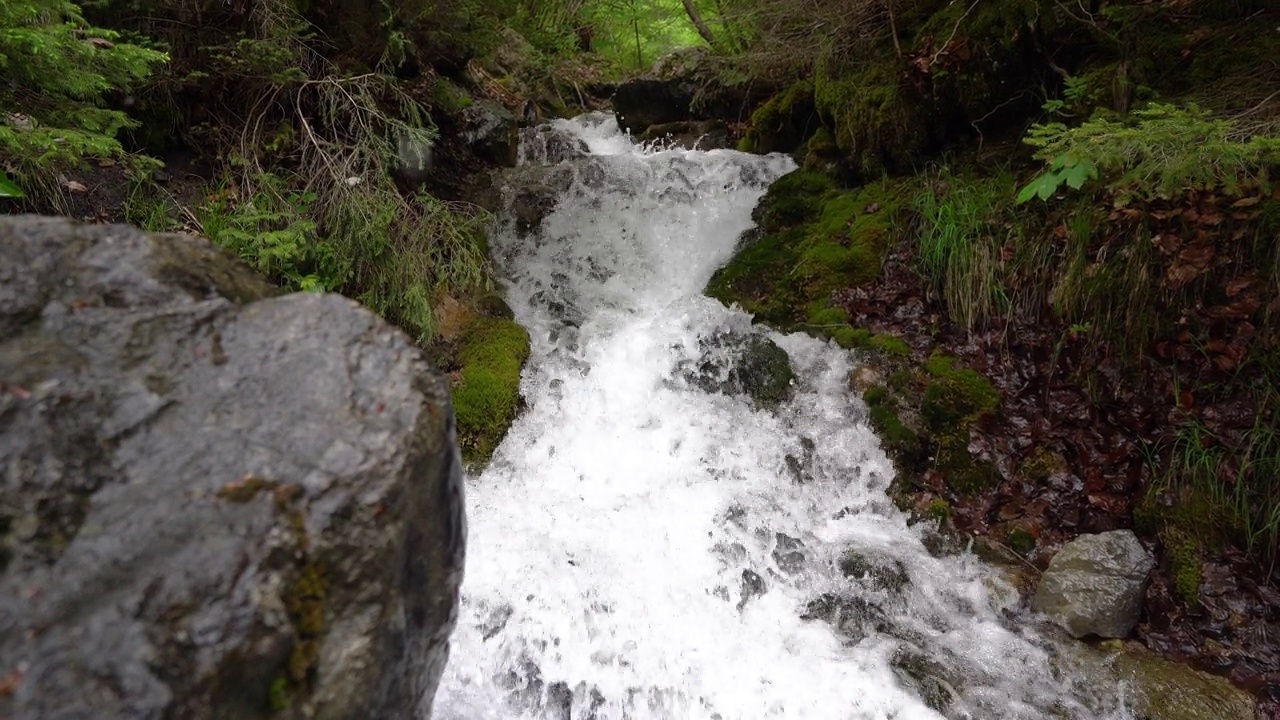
x: 782, y: 123
x: 487, y: 394
x: 902, y: 443
x: 811, y: 240
x: 878, y: 119
x: 956, y: 397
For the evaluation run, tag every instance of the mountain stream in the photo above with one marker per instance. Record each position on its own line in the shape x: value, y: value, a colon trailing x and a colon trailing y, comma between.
x: 642, y: 548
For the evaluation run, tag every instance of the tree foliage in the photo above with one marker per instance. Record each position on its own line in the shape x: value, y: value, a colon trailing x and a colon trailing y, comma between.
x: 60, y: 73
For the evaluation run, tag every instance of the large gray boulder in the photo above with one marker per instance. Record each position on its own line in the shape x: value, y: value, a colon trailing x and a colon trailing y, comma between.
x: 1094, y: 585
x: 215, y: 501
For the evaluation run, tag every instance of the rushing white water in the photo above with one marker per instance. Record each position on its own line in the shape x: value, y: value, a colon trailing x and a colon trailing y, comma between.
x: 641, y: 548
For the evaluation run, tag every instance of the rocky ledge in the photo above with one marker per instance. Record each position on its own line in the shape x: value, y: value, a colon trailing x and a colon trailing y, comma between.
x: 215, y: 501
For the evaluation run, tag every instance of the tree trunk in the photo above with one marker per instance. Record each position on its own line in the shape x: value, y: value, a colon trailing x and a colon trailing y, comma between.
x: 696, y: 18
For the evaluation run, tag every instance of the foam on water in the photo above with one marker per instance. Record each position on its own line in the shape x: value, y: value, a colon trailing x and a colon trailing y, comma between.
x: 614, y: 537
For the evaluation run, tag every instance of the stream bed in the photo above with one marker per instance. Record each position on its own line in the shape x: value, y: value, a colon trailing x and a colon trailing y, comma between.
x: 644, y: 547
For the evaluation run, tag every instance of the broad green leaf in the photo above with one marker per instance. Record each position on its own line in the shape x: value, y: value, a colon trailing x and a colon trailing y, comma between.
x: 8, y: 188
x: 1077, y: 174
x: 1043, y: 187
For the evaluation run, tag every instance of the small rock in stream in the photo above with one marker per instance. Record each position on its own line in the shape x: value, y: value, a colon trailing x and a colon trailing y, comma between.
x: 1094, y: 585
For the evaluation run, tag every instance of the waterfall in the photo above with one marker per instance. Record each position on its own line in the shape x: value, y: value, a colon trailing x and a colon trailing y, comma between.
x: 641, y: 547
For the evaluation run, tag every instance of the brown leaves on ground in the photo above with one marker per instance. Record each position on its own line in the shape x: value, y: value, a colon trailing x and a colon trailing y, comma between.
x: 1072, y: 458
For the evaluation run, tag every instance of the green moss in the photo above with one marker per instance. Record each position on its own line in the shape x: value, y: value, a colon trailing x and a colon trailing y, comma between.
x: 956, y: 397
x: 828, y: 316
x: 756, y: 278
x: 1185, y: 557
x: 820, y: 152
x: 890, y: 345
x: 782, y: 123
x: 1021, y: 540
x: 793, y: 199
x: 812, y: 240
x: 449, y: 98
x: 964, y: 474
x: 305, y: 603
x: 279, y: 696
x: 899, y: 441
x: 939, y: 510
x: 487, y: 396
x: 851, y: 337
x: 878, y: 119
x: 901, y: 380
x: 876, y: 395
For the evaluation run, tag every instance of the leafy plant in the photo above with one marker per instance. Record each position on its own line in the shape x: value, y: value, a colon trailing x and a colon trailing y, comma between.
x: 59, y: 71
x: 8, y: 188
x: 1161, y: 151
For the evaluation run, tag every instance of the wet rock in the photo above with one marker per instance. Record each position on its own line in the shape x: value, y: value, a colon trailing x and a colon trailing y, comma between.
x: 1166, y: 690
x: 549, y: 145
x: 492, y: 132
x: 684, y: 86
x: 1094, y: 585
x: 533, y: 191
x: 736, y: 363
x: 221, y: 500
x: 890, y: 575
x: 787, y: 553
x: 752, y: 586
x: 930, y: 679
x: 850, y: 616
x: 689, y: 134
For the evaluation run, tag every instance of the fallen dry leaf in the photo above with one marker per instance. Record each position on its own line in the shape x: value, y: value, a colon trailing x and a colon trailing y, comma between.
x: 76, y: 186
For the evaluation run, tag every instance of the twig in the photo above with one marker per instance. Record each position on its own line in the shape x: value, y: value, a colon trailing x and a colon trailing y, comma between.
x: 954, y: 30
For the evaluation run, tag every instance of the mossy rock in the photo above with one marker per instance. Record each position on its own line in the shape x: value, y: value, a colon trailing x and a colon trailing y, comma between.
x: 812, y: 239
x: 821, y: 153
x: 1167, y: 690
x: 782, y: 123
x: 934, y: 683
x: 900, y: 442
x: 965, y: 475
x: 792, y: 200
x: 956, y: 397
x: 738, y: 364
x: 448, y: 97
x: 878, y: 119
x: 487, y: 394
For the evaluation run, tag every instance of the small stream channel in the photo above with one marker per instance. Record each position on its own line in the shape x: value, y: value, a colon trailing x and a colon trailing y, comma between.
x: 642, y: 548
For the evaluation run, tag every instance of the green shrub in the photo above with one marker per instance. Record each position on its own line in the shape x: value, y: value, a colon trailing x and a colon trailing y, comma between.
x: 59, y: 72
x: 1162, y: 150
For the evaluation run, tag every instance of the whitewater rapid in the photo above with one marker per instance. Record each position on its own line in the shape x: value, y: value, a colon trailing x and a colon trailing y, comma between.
x: 641, y: 548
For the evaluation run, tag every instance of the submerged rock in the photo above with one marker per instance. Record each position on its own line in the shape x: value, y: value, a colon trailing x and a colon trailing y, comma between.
x: 218, y: 502
x: 1166, y: 690
x: 492, y: 132
x: 549, y: 145
x: 1094, y: 585
x: 744, y: 364
x: 690, y: 134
